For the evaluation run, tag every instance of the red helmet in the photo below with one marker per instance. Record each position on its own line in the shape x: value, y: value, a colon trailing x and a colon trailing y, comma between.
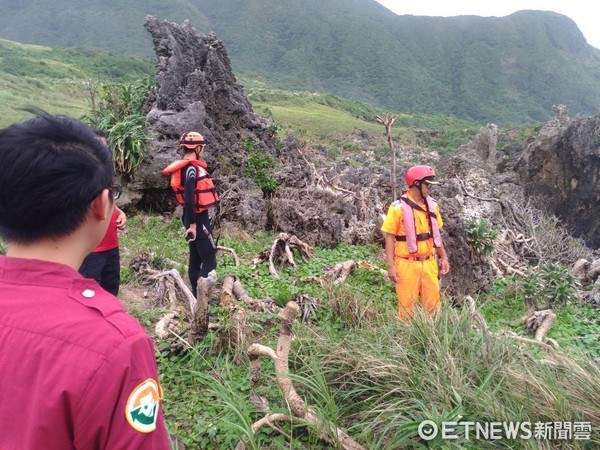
x: 191, y: 140
x: 417, y: 173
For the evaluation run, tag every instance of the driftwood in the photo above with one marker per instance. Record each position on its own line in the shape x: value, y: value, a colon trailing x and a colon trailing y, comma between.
x: 339, y: 273
x: 468, y: 194
x: 200, y: 311
x: 487, y: 337
x: 194, y: 313
x: 264, y: 305
x: 175, y: 277
x: 282, y: 251
x: 539, y: 322
x: 507, y: 257
x: 549, y: 345
x: 237, y: 334
x: 300, y: 412
x: 308, y: 306
x: 227, y: 299
x: 167, y: 325
x: 557, y: 360
x: 322, y: 181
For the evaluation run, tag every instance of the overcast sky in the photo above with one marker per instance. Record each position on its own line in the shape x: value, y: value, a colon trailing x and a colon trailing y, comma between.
x: 585, y: 13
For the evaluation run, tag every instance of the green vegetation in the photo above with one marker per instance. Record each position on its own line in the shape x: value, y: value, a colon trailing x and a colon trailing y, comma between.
x: 481, y: 236
x: 110, y: 90
x: 352, y: 361
x: 355, y: 365
x: 260, y: 168
x: 119, y: 112
x: 58, y: 80
x: 577, y: 324
x: 331, y: 119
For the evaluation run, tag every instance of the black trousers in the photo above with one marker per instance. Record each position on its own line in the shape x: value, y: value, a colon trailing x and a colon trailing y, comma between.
x: 105, y: 268
x: 203, y: 252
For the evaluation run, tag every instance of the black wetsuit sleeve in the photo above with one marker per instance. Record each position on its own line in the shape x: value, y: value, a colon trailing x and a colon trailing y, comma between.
x: 188, y: 197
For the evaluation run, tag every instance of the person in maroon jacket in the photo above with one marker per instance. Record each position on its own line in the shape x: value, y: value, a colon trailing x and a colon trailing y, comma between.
x: 76, y: 371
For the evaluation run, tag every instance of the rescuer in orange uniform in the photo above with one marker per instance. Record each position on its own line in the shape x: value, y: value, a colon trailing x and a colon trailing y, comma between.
x: 412, y: 239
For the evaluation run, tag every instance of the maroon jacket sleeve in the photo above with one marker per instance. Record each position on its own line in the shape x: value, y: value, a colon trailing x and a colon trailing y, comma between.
x: 121, y: 408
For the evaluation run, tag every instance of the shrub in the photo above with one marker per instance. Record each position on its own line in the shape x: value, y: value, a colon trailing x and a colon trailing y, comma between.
x: 260, y: 168
x: 119, y: 112
x: 481, y: 236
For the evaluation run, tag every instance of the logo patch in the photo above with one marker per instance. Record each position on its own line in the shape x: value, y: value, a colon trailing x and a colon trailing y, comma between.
x: 142, y: 406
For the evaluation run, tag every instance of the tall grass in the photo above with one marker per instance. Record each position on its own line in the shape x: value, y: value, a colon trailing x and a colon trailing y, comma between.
x: 391, y: 379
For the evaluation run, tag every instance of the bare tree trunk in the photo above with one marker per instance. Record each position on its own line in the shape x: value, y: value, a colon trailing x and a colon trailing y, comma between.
x: 388, y: 122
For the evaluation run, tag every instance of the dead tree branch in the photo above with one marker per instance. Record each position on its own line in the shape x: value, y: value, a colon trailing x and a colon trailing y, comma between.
x: 388, y: 122
x: 340, y: 272
x: 333, y: 435
x: 468, y: 194
x: 264, y: 305
x: 232, y: 251
x: 199, y: 324
x: 487, y: 337
x: 282, y: 252
x: 322, y: 181
x: 155, y: 275
x: 540, y: 323
x: 227, y: 299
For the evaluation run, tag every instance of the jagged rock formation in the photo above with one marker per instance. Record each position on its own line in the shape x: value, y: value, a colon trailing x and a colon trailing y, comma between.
x: 560, y: 172
x: 557, y: 173
x: 470, y: 171
x: 196, y: 90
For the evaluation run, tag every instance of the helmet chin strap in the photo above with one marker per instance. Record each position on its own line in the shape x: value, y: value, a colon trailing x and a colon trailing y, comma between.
x: 420, y: 185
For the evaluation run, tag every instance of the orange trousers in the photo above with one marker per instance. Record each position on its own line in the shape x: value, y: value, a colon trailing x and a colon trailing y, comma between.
x: 417, y: 280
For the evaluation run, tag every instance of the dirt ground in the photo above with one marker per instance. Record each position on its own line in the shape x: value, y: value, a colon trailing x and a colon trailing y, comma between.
x: 135, y: 297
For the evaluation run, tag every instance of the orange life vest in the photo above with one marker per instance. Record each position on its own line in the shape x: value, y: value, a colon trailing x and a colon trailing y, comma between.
x: 205, y: 194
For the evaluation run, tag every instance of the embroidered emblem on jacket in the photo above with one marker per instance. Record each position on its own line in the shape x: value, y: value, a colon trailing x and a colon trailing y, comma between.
x: 141, y: 410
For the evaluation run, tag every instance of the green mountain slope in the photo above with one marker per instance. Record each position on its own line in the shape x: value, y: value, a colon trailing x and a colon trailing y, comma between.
x: 502, y: 70
x: 58, y: 80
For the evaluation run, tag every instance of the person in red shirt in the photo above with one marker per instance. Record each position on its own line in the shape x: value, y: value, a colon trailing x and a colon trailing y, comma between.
x: 76, y: 371
x: 104, y: 263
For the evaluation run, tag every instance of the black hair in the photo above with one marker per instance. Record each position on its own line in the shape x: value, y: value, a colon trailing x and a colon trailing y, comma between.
x: 51, y: 168
x: 100, y: 133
